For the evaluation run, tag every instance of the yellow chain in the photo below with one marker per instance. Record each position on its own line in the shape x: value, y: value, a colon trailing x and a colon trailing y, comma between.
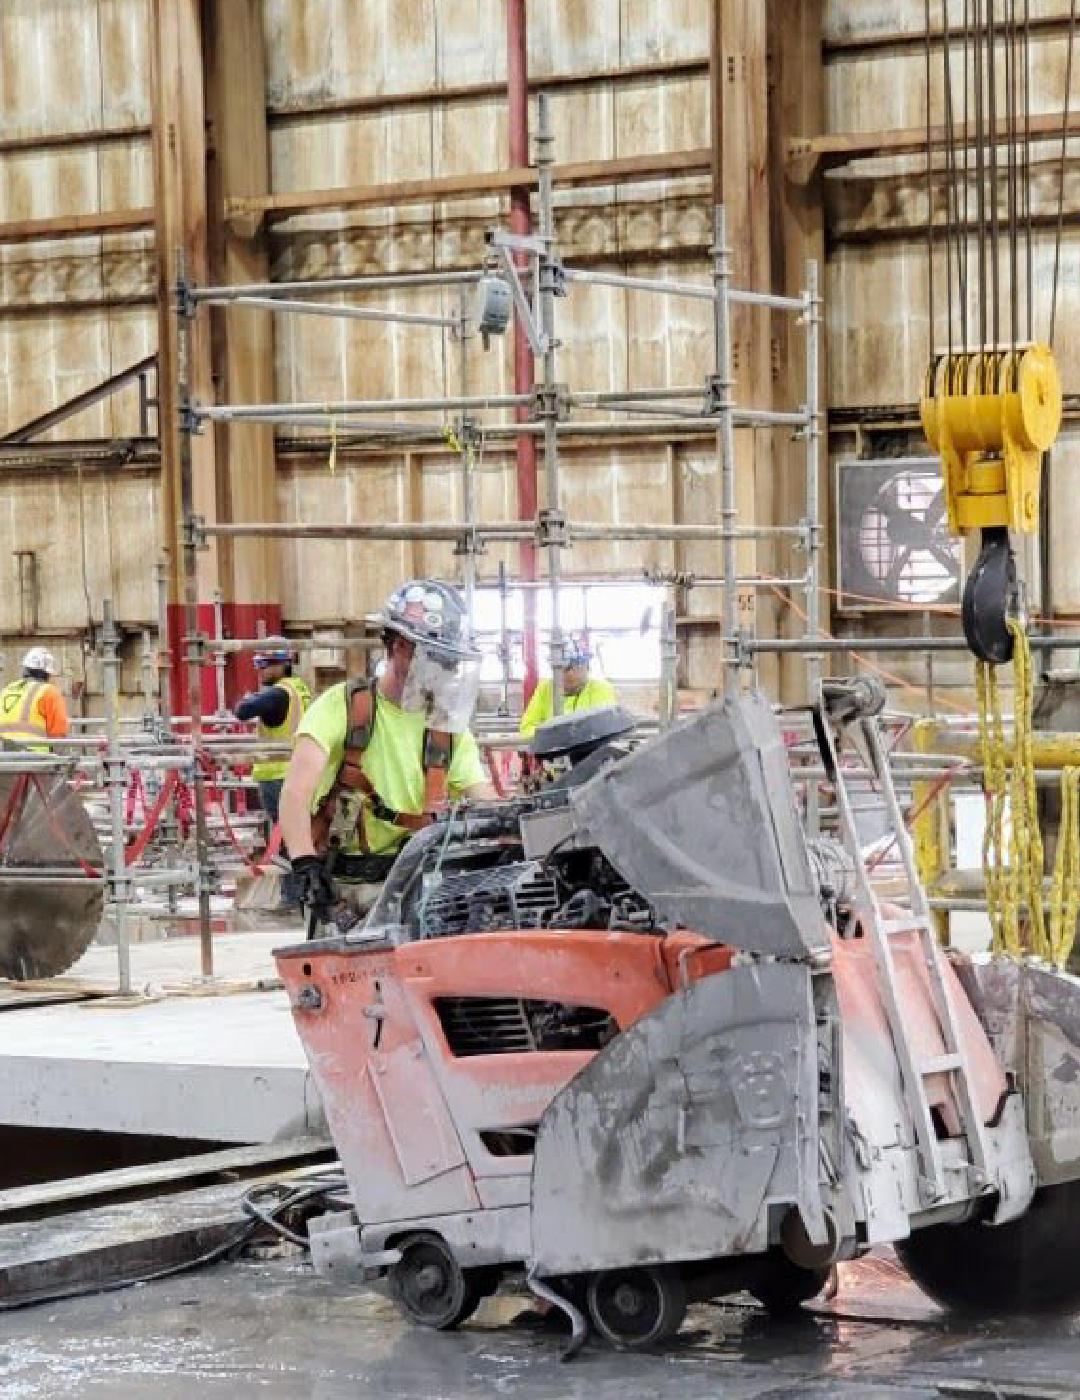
x: 1019, y: 883
x: 1065, y: 894
x: 1026, y: 827
x: 992, y: 748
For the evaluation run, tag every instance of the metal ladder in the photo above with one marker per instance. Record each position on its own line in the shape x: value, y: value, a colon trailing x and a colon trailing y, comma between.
x: 881, y: 931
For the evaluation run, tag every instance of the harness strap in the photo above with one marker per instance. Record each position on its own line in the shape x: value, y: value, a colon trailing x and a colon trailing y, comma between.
x: 360, y: 702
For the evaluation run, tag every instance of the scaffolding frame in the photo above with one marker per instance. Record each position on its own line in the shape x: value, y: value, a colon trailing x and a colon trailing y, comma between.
x: 550, y: 404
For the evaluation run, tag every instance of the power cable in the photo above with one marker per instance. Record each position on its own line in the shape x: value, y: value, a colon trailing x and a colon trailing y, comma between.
x: 264, y: 1206
x: 1030, y: 276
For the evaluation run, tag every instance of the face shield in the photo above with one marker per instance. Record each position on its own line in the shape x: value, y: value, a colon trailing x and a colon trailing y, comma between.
x: 443, y: 688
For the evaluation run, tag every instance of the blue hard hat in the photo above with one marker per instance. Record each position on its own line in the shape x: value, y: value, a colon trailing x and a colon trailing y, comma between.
x: 276, y: 654
x: 576, y: 651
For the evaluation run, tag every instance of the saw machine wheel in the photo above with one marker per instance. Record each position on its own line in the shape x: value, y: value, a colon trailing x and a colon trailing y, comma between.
x: 1030, y: 1265
x: 636, y: 1308
x: 430, y: 1286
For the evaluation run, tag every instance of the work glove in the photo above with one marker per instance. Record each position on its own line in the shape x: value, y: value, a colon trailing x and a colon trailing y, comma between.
x: 314, y: 887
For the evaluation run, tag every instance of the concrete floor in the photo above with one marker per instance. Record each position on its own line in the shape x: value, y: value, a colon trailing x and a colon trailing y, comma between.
x: 271, y: 1331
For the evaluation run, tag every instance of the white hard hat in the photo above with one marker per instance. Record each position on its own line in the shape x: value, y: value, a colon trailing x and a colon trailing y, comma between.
x: 38, y: 659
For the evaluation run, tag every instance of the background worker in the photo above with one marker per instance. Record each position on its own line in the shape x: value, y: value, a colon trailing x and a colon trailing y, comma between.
x: 580, y: 690
x: 375, y: 760
x: 32, y: 708
x: 278, y: 706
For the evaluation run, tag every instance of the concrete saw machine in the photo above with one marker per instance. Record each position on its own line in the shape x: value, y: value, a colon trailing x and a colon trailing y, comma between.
x: 638, y: 1038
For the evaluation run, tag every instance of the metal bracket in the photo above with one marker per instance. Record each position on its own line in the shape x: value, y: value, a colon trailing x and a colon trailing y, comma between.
x: 534, y: 333
x: 550, y: 401
x: 196, y: 649
x: 193, y: 533
x: 190, y: 416
x: 551, y: 530
x: 743, y: 653
x: 470, y: 543
x: 810, y: 537
x: 185, y: 304
x: 717, y: 395
x: 552, y: 277
x: 520, y: 242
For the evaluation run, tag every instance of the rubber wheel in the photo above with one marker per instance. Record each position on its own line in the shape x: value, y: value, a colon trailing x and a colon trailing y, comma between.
x: 430, y: 1286
x: 635, y: 1308
x: 783, y: 1286
x: 1030, y: 1265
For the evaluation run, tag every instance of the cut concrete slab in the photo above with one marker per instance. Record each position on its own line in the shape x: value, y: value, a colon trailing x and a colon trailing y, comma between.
x: 218, y: 1068
x: 154, y: 1179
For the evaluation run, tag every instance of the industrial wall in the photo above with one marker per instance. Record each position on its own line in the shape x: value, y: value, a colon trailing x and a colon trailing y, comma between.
x: 349, y: 98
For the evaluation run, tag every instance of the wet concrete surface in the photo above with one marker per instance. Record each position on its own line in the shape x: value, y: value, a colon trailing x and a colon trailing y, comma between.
x: 271, y: 1331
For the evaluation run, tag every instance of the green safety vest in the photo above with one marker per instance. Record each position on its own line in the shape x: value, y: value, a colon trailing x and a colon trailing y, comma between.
x: 299, y: 699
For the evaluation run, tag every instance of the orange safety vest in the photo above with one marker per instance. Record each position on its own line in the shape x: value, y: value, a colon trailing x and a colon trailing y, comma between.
x: 21, y: 722
x: 360, y: 697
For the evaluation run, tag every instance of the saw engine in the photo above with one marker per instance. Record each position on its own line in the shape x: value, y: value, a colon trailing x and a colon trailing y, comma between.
x: 634, y: 1036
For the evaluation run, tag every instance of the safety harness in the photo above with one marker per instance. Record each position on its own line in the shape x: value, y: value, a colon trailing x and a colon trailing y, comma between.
x: 360, y: 701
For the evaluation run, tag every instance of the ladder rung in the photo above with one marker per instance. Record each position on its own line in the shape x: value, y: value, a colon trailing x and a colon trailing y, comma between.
x: 941, y: 1064
x: 912, y: 925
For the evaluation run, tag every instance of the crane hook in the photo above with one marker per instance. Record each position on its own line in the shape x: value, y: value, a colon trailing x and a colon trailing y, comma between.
x: 991, y: 598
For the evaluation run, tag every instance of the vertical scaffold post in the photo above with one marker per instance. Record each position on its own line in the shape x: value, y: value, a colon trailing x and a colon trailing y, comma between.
x: 669, y: 661
x: 116, y: 784
x: 812, y: 317
x: 163, y: 653
x: 193, y: 642
x: 545, y: 157
x: 465, y: 432
x: 725, y: 446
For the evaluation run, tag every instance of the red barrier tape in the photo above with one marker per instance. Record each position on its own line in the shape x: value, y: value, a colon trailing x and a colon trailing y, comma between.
x: 134, y: 852
x: 15, y: 802
x: 256, y: 865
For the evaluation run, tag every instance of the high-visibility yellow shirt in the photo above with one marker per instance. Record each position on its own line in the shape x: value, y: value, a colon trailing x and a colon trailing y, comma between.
x: 299, y: 699
x: 31, y: 709
x: 393, y: 762
x: 541, y: 707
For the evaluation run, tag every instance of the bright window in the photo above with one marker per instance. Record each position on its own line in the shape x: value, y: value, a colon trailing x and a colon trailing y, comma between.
x: 620, y: 622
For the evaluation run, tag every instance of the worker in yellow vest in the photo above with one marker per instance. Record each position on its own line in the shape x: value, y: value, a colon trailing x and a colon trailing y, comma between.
x: 32, y: 708
x: 580, y: 690
x: 278, y: 707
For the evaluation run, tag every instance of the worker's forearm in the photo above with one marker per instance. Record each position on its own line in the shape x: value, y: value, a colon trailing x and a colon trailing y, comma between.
x: 294, y: 818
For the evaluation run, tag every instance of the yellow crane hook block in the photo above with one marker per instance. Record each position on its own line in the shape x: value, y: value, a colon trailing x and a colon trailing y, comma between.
x: 991, y: 414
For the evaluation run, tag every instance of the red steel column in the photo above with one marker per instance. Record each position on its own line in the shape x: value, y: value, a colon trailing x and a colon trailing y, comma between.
x: 517, y: 96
